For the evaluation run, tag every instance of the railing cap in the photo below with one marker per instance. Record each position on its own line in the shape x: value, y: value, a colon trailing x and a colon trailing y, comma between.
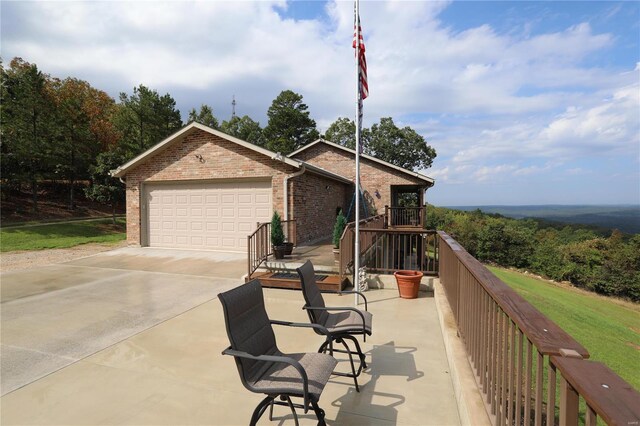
x: 610, y: 396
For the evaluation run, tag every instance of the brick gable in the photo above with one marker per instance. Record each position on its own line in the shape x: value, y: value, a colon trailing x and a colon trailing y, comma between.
x: 373, y: 176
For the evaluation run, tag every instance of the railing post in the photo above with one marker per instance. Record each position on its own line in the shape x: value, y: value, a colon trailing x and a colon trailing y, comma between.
x: 568, y: 403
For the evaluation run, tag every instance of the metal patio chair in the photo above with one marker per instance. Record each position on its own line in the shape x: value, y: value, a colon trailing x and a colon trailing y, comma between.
x: 262, y: 367
x: 341, y: 323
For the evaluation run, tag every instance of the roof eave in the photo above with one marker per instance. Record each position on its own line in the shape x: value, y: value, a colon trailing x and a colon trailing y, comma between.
x: 122, y: 170
x: 420, y: 176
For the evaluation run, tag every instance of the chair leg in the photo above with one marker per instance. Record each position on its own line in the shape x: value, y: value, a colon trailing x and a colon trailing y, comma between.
x: 358, y: 350
x: 260, y: 409
x: 293, y: 409
x: 319, y: 413
x: 353, y: 368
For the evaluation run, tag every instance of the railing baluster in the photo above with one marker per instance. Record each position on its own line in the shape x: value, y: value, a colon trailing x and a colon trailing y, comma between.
x: 591, y: 419
x: 512, y: 369
x: 527, y: 385
x: 539, y: 376
x: 505, y: 364
x: 568, y: 404
x: 519, y: 379
x: 551, y: 395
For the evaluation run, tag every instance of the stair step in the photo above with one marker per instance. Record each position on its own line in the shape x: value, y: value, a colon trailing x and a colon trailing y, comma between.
x: 270, y: 279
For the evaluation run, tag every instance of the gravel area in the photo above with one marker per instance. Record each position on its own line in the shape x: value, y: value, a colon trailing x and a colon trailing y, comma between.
x: 15, y: 260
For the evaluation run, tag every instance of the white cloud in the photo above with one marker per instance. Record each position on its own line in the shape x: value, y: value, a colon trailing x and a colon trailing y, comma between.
x: 495, y: 105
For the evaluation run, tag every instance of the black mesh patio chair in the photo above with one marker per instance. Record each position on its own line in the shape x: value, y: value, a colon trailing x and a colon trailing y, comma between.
x: 341, y: 323
x: 262, y: 367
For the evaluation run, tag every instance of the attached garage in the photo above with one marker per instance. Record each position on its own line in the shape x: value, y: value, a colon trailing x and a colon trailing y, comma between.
x: 205, y: 215
x: 205, y: 190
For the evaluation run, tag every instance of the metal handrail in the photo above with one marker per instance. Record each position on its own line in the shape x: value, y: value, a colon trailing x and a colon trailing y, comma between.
x: 259, y: 243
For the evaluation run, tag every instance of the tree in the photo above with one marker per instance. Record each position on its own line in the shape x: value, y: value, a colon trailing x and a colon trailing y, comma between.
x: 145, y: 118
x: 106, y: 189
x: 402, y: 147
x: 243, y: 128
x: 205, y: 116
x: 26, y: 123
x: 289, y: 126
x: 343, y: 132
x: 83, y: 129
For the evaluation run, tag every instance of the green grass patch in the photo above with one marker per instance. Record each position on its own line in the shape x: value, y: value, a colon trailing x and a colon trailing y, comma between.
x: 62, y: 235
x: 610, y: 330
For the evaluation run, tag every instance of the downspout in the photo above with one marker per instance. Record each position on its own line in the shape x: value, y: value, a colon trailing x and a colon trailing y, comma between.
x: 286, y: 189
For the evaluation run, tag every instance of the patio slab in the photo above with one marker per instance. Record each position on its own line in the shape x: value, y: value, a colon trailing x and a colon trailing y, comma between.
x: 57, y: 315
x: 174, y: 373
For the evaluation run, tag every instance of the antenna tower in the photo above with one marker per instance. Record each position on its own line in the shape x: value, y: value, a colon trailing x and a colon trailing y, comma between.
x: 233, y: 107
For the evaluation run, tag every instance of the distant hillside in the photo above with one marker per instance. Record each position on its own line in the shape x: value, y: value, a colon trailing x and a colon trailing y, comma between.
x: 625, y: 218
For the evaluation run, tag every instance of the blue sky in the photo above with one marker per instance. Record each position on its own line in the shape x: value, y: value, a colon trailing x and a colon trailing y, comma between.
x: 525, y: 102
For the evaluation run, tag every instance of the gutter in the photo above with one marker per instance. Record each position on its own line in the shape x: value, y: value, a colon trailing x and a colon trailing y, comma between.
x: 286, y: 189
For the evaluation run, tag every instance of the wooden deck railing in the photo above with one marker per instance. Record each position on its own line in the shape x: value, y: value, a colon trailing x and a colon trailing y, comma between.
x: 347, y: 243
x: 259, y: 243
x: 404, y: 248
x: 512, y: 347
x: 404, y: 216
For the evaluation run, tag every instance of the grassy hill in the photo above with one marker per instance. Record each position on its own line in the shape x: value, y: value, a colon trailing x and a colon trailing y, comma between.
x: 608, y: 328
x: 625, y: 218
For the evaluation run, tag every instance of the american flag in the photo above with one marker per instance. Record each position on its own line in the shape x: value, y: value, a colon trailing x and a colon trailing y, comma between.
x: 362, y: 61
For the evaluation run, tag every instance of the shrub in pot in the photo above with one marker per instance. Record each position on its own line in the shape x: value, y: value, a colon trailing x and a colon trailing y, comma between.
x: 338, y: 230
x: 277, y: 236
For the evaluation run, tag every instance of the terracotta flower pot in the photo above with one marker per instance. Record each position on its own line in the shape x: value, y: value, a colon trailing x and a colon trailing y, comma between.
x: 408, y: 283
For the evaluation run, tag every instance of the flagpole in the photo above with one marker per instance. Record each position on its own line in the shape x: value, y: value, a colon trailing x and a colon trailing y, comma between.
x: 356, y: 272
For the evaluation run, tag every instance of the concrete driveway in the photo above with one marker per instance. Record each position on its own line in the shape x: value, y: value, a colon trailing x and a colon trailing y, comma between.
x: 54, y: 316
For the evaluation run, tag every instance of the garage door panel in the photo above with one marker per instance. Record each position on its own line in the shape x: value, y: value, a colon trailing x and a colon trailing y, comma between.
x: 262, y: 198
x: 216, y: 216
x: 245, y: 198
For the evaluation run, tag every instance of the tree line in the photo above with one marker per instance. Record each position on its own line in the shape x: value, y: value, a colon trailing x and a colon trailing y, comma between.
x: 606, y: 263
x: 65, y: 130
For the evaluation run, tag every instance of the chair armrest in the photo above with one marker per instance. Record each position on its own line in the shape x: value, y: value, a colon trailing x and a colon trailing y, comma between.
x: 347, y: 292
x: 342, y: 308
x: 276, y: 358
x: 317, y: 327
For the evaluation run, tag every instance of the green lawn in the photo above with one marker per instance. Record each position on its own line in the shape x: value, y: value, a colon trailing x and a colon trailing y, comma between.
x: 609, y: 330
x: 61, y: 235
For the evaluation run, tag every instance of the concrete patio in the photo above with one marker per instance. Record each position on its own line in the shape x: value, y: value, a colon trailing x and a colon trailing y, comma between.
x: 172, y: 372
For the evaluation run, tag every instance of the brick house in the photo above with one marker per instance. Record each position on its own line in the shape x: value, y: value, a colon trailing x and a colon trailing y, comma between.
x: 203, y: 189
x: 382, y: 183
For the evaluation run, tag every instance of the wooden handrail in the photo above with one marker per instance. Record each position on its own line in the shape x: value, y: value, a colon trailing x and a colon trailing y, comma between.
x: 348, y: 241
x: 411, y: 217
x: 393, y: 249
x: 546, y: 335
x: 604, y: 392
x: 507, y: 341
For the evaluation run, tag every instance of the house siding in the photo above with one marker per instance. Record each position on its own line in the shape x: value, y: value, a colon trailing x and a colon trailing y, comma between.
x: 373, y: 176
x: 221, y: 159
x: 314, y: 200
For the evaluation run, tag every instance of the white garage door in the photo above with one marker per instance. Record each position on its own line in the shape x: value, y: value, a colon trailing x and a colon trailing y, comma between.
x: 211, y: 216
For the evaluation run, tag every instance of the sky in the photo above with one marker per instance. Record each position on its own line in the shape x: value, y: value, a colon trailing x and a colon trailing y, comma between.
x: 524, y: 102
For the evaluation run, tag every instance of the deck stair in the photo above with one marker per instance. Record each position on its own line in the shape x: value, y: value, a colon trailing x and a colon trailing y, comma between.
x: 282, y: 274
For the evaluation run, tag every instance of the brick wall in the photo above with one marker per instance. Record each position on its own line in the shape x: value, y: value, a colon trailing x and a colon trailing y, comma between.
x: 221, y: 159
x: 314, y: 200
x: 373, y: 176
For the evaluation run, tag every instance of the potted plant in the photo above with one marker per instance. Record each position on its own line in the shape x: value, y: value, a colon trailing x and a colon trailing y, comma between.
x: 338, y: 229
x: 277, y: 236
x: 408, y: 283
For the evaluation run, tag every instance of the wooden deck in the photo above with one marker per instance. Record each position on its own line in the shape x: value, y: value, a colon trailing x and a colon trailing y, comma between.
x: 271, y: 279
